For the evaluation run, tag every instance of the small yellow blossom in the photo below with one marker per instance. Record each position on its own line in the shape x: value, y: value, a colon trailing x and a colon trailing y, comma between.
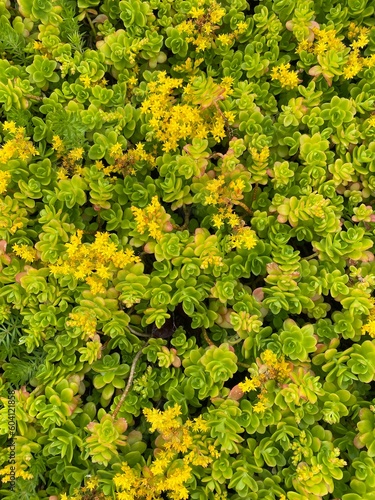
x: 6, y: 473
x: 195, y: 13
x: 85, y: 320
x: 262, y: 156
x: 353, y: 66
x: 304, y: 45
x: 244, y: 238
x: 214, y: 260
x: 15, y: 226
x: 259, y: 407
x: 116, y: 150
x: 5, y: 178
x: 93, y: 262
x: 76, y: 154
x: 150, y: 218
x: 242, y: 27
x: 225, y: 38
x: 27, y: 253
x: 85, y: 79
x: 10, y: 127
x: 92, y: 483
x: 57, y: 144
x: 249, y: 384
x: 163, y: 421
x: 285, y: 76
x: 18, y: 147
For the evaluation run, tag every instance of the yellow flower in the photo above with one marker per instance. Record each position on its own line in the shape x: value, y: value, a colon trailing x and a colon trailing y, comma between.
x: 57, y: 144
x: 242, y: 27
x: 5, y: 177
x: 217, y: 14
x: 244, y: 238
x: 285, y: 77
x: 304, y: 45
x: 369, y: 328
x: 92, y: 483
x: 354, y: 65
x: 163, y: 421
x: 15, y: 226
x: 123, y: 258
x: 26, y: 252
x: 215, y: 260
x: 195, y: 13
x: 76, y: 154
x: 259, y: 407
x: 85, y: 320
x: 225, y: 38
x: 10, y: 127
x: 85, y: 79
x: 62, y: 174
x: 269, y: 357
x: 218, y: 220
x: 249, y: 384
x: 262, y: 156
x: 116, y: 150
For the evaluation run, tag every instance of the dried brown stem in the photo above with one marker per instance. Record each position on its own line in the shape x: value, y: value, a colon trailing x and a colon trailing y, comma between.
x: 129, y: 384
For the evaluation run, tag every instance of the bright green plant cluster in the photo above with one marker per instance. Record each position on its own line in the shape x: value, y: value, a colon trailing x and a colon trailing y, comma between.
x: 187, y: 263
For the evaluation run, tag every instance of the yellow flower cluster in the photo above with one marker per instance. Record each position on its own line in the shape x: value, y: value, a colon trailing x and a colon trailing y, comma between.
x: 359, y: 35
x: 369, y: 327
x: 85, y: 320
x: 305, y: 472
x: 124, y: 162
x: 71, y: 161
x: 168, y: 473
x: 221, y: 193
x: 356, y: 63
x: 163, y: 421
x: 27, y: 253
x: 94, y: 262
x: 5, y: 472
x: 274, y: 369
x: 326, y: 40
x: 5, y: 177
x: 173, y: 122
x: 285, y: 76
x: 200, y: 28
x: 202, y: 24
x: 90, y: 490
x: 225, y: 214
x: 214, y: 260
x: 18, y: 147
x: 151, y: 219
x: 188, y: 67
x: 244, y: 237
x: 261, y: 156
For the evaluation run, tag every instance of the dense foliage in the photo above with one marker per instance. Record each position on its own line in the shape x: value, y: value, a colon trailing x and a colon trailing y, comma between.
x: 187, y: 249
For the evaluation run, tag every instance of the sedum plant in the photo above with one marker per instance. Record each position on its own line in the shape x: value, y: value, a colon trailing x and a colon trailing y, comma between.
x: 187, y: 267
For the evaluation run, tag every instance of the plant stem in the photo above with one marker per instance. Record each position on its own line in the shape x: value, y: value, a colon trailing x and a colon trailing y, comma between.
x: 134, y: 332
x: 130, y: 381
x: 243, y: 364
x: 91, y: 25
x: 312, y: 256
x: 35, y: 97
x: 206, y: 337
x: 245, y: 207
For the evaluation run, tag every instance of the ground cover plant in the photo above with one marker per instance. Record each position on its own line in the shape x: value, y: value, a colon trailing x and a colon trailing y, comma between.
x: 187, y: 249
